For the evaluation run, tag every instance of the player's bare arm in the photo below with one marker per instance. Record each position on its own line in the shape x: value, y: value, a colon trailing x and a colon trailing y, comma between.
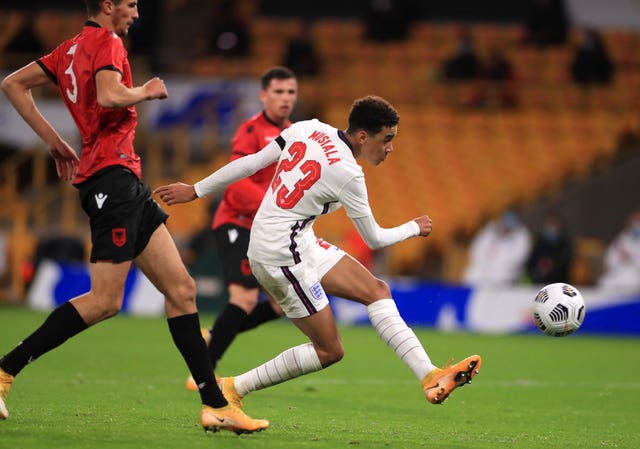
x: 176, y: 193
x: 426, y: 225
x: 17, y: 87
x: 112, y: 93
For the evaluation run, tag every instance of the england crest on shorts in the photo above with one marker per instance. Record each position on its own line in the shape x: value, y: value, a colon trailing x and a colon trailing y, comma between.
x: 317, y: 291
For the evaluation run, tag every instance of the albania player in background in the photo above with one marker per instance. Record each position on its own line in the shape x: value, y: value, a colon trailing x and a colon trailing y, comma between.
x: 234, y: 216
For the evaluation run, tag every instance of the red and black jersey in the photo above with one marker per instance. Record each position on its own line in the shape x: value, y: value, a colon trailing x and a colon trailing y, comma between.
x: 241, y: 199
x: 107, y: 133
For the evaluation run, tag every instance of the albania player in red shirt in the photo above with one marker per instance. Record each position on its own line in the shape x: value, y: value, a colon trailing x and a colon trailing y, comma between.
x: 234, y: 216
x: 93, y: 76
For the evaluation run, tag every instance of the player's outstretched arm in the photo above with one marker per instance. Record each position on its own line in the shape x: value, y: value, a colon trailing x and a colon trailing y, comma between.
x: 112, y: 93
x: 235, y: 170
x: 354, y: 199
x: 176, y: 193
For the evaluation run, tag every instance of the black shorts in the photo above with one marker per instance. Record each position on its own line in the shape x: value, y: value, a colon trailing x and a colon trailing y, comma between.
x: 233, y: 243
x: 121, y: 212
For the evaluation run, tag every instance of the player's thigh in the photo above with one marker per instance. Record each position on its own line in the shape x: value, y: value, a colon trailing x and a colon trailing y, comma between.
x: 160, y: 261
x: 296, y: 288
x: 108, y: 279
x: 106, y: 294
x: 350, y: 279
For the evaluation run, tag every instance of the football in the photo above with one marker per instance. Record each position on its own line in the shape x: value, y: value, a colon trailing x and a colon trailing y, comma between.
x: 558, y: 309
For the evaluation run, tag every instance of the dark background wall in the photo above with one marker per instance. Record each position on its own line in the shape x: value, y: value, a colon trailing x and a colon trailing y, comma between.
x: 468, y: 10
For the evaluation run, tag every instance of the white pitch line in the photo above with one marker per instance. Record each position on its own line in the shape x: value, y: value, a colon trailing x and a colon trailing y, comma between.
x: 481, y: 382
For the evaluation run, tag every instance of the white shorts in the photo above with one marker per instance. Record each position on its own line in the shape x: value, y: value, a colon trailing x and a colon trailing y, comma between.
x: 297, y: 288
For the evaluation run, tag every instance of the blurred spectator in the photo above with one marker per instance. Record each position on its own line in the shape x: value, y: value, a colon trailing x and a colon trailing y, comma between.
x: 496, y: 84
x: 496, y: 67
x: 498, y: 252
x: 622, y: 258
x: 591, y: 62
x: 552, y: 253
x: 301, y: 55
x: 231, y: 36
x: 547, y: 23
x: 463, y: 64
x: 388, y: 20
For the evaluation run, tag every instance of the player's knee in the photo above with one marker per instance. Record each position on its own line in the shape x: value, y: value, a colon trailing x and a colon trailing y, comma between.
x: 188, y: 290
x: 338, y: 354
x: 108, y: 306
x: 183, y: 292
x: 380, y: 289
x: 329, y: 356
x: 112, y: 311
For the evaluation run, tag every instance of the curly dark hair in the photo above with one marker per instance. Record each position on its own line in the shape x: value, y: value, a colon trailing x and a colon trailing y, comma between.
x: 371, y: 114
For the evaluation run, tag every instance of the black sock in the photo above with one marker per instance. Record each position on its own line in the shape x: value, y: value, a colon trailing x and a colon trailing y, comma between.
x: 224, y: 330
x: 61, y: 324
x: 262, y: 313
x: 185, y: 330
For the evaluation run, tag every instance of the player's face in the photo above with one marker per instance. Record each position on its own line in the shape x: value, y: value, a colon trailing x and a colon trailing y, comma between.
x: 376, y: 147
x: 279, y: 98
x: 123, y: 16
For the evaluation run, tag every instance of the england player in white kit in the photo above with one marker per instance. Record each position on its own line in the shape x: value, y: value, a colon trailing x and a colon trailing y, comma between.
x: 317, y: 173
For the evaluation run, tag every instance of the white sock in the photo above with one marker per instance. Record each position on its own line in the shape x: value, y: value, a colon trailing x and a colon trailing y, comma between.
x: 392, y: 329
x: 293, y: 362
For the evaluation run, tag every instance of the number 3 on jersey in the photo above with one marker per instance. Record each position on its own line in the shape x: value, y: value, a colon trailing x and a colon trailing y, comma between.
x: 310, y: 170
x: 72, y: 95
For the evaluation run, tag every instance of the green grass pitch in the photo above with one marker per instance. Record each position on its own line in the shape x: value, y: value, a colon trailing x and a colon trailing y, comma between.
x: 121, y: 385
